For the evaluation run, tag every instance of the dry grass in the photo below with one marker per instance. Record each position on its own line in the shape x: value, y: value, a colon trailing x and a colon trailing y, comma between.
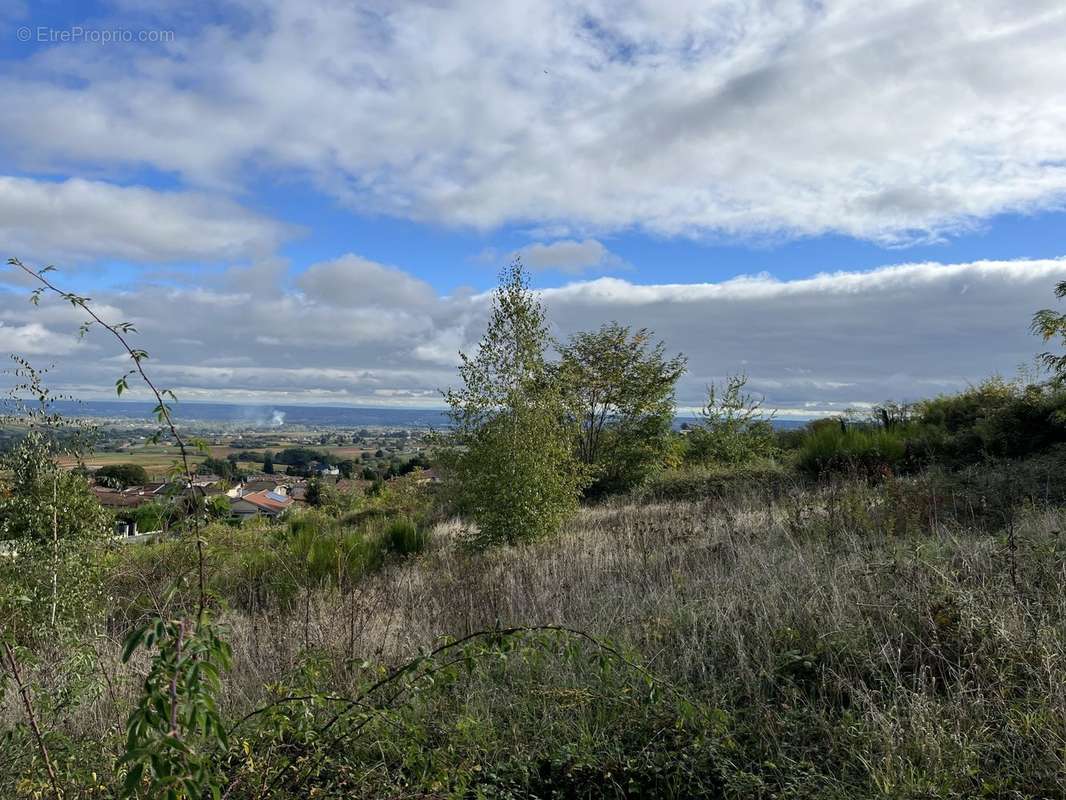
x: 908, y: 662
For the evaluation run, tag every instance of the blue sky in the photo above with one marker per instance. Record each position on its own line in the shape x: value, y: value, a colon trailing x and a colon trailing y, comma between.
x: 449, y: 257
x: 272, y: 158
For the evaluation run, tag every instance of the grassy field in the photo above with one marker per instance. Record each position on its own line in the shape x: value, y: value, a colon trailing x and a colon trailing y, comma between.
x: 833, y: 642
x: 158, y: 459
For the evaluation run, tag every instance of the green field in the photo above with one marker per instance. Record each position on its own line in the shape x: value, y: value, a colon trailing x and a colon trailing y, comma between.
x: 158, y: 459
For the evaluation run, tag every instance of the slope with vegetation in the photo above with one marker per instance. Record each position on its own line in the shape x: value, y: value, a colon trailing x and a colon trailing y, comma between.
x: 864, y: 608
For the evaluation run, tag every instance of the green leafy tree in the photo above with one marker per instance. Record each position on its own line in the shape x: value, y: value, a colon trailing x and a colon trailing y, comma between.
x: 120, y: 476
x: 623, y: 389
x: 301, y: 457
x: 1049, y: 325
x: 50, y: 523
x: 735, y: 429
x: 268, y: 464
x: 512, y: 432
x: 222, y: 467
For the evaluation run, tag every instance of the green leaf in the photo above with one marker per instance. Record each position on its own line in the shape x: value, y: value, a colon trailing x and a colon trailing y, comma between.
x: 132, y: 642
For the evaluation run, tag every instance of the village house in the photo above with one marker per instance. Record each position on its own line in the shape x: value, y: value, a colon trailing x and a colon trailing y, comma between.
x: 262, y: 503
x: 124, y: 502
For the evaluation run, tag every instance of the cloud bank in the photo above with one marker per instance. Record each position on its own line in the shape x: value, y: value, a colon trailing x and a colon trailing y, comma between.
x: 358, y: 332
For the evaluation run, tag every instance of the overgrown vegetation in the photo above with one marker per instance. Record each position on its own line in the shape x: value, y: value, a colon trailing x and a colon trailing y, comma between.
x: 913, y: 666
x: 994, y: 420
x: 733, y: 428
x: 864, y: 608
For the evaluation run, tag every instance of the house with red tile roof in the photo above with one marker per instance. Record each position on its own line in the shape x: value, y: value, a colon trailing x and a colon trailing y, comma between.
x: 262, y: 503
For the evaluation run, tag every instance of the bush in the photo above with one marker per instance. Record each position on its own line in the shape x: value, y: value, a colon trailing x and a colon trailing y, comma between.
x: 262, y: 565
x: 154, y: 516
x: 721, y: 481
x: 404, y: 538
x: 868, y: 451
x: 734, y: 430
x: 996, y: 418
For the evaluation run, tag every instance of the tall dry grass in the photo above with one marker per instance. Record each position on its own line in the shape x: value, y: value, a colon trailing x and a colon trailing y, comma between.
x: 849, y: 654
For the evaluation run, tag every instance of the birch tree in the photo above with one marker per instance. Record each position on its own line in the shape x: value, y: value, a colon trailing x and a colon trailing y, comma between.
x: 512, y: 459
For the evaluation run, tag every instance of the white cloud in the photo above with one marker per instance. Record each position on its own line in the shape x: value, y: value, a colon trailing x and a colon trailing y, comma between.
x: 79, y: 220
x: 893, y: 121
x: 812, y: 345
x: 355, y: 282
x: 568, y: 255
x: 34, y: 339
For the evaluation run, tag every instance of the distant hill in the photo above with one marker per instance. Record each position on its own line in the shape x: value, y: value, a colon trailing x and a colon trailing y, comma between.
x: 263, y: 416
x: 295, y: 415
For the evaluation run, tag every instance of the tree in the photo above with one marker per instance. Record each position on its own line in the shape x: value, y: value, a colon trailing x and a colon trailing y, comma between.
x: 735, y: 429
x: 268, y: 464
x: 120, y: 476
x: 50, y: 522
x: 1048, y: 325
x: 623, y: 388
x: 512, y: 433
x: 222, y: 467
x: 301, y: 457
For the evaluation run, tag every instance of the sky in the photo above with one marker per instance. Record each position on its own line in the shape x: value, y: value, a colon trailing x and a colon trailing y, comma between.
x: 308, y: 201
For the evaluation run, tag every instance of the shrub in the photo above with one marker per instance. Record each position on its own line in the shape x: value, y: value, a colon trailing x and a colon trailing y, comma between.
x: 404, y: 538
x: 869, y: 451
x: 996, y: 418
x: 734, y: 430
x: 716, y: 481
x: 154, y: 516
